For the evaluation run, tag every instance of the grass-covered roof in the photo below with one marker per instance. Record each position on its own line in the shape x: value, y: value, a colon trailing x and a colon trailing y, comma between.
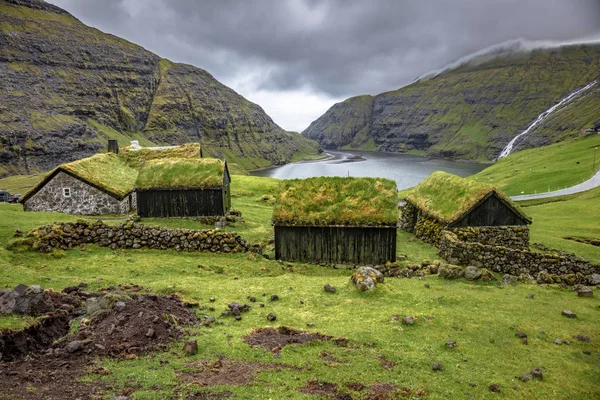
x: 181, y: 173
x: 336, y: 201
x: 447, y: 197
x: 106, y: 171
x: 135, y: 158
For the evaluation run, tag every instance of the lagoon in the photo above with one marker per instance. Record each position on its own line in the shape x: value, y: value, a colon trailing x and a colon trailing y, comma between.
x: 406, y: 169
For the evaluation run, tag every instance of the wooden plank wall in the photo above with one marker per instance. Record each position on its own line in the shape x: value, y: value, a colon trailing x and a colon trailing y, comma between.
x: 492, y: 212
x: 180, y: 203
x: 337, y: 245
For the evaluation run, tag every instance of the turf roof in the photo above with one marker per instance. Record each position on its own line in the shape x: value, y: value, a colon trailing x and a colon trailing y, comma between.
x: 336, y: 201
x: 105, y: 171
x: 447, y: 197
x: 135, y: 158
x: 181, y: 173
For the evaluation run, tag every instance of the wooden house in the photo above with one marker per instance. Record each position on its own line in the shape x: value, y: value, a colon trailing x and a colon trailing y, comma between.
x: 336, y: 220
x: 446, y: 201
x: 183, y: 188
x: 101, y: 184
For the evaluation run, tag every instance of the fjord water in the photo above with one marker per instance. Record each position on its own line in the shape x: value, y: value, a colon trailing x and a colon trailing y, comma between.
x: 406, y: 169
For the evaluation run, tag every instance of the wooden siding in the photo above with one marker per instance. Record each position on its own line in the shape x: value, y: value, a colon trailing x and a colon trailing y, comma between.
x: 492, y: 211
x: 337, y: 245
x: 183, y: 203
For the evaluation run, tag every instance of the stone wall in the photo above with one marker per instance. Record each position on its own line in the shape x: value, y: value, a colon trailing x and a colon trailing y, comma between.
x: 516, y: 237
x: 133, y: 235
x: 408, y: 217
x: 84, y: 199
x: 428, y: 229
x: 515, y: 261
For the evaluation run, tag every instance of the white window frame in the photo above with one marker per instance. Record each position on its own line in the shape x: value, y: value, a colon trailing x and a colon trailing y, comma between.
x: 67, y: 192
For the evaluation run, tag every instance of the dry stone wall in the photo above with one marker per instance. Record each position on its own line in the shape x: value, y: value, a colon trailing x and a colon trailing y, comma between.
x: 515, y: 261
x: 516, y: 237
x: 133, y: 235
x: 83, y: 198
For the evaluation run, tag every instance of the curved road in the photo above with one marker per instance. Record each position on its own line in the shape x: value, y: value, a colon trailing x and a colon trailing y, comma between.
x: 591, y: 183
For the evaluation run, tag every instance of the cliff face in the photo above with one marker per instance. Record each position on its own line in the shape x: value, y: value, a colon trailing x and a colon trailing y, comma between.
x: 473, y: 111
x: 67, y: 88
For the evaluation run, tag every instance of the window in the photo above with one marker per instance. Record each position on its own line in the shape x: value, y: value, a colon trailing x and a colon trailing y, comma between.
x: 67, y: 192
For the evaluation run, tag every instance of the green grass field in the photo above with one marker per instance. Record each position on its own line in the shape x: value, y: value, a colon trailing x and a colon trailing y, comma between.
x: 545, y: 169
x: 482, y: 317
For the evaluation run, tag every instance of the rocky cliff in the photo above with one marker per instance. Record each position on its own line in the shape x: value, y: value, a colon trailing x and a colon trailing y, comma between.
x: 471, y: 111
x: 67, y: 88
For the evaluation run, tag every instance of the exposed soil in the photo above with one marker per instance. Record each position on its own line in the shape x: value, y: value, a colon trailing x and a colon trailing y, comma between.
x: 48, y: 378
x: 275, y: 339
x: 148, y: 322
x: 208, y: 395
x: 224, y: 372
x: 15, y: 345
x: 388, y: 364
x: 324, y: 389
x: 49, y: 369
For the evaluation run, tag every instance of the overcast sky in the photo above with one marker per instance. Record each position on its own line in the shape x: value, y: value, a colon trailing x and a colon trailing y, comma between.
x: 296, y: 58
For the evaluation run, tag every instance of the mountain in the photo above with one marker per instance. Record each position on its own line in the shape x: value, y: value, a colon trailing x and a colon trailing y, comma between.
x: 67, y: 88
x: 473, y: 109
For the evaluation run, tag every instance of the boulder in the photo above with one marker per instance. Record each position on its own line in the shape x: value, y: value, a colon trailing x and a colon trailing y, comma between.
x: 33, y: 301
x: 508, y: 279
x: 568, y: 314
x: 472, y: 273
x: 487, y: 275
x: 191, y: 347
x: 7, y: 301
x: 95, y: 304
x: 593, y: 279
x: 365, y: 278
x: 329, y: 288
x: 449, y: 271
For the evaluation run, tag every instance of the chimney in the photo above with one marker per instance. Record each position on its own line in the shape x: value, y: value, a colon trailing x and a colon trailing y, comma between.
x: 113, y: 146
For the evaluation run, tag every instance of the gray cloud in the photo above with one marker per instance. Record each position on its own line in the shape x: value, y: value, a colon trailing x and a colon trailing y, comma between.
x: 338, y: 48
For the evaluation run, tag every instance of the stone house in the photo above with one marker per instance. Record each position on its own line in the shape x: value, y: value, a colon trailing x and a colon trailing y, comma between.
x: 183, y: 188
x: 336, y: 220
x: 476, y: 212
x: 101, y: 184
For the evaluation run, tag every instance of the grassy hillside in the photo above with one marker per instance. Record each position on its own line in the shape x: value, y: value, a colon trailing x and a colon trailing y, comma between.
x: 68, y: 88
x: 482, y: 318
x: 546, y: 168
x: 473, y: 111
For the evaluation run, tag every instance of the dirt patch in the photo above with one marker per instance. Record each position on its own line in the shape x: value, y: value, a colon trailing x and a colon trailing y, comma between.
x: 49, y: 369
x: 387, y: 364
x: 324, y: 389
x: 357, y: 387
x: 146, y: 322
x: 15, y: 345
x: 208, y: 395
x: 48, y: 378
x: 224, y: 372
x: 385, y: 391
x: 275, y: 339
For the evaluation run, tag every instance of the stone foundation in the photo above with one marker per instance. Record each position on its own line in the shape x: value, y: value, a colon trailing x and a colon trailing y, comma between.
x: 65, y: 236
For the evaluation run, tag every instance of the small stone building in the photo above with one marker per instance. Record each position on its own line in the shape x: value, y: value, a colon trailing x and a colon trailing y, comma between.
x: 183, y: 188
x: 101, y: 184
x: 476, y: 212
x: 336, y: 220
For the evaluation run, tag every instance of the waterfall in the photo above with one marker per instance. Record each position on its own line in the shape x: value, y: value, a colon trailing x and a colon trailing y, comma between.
x: 509, y: 147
